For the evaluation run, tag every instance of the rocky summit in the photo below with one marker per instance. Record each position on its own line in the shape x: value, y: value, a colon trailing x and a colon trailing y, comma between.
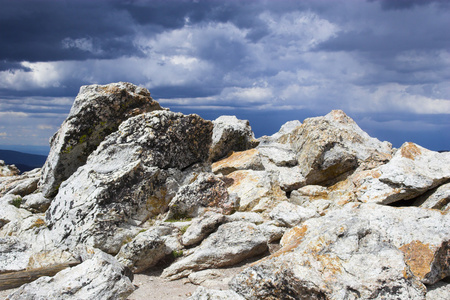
x: 320, y: 208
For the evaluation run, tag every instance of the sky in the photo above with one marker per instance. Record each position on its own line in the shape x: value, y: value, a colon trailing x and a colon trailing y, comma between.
x: 385, y: 63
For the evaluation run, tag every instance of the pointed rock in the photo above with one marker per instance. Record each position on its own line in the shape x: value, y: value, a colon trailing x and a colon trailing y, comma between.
x: 332, y: 145
x: 97, y: 111
x: 231, y: 134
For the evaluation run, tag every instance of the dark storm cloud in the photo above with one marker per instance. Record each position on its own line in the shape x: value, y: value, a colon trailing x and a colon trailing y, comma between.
x: 45, y: 30
x: 407, y: 4
x: 58, y: 30
x: 11, y: 66
x: 288, y: 59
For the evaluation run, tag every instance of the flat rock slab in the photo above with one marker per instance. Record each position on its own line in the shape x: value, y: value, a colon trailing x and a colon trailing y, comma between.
x: 230, y: 244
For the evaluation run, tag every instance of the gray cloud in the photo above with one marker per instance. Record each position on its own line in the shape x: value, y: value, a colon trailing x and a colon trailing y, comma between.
x: 270, y: 61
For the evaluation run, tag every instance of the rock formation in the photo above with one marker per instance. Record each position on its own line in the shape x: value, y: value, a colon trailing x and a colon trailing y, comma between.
x: 327, y: 211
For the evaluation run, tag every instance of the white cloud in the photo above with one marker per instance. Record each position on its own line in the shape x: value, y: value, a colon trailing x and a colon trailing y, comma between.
x: 13, y: 114
x: 41, y: 75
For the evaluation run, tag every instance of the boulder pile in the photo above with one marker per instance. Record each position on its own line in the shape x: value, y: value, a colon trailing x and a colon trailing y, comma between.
x: 330, y: 212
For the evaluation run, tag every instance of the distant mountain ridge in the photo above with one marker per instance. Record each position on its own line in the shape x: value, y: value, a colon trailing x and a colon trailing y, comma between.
x: 23, y: 161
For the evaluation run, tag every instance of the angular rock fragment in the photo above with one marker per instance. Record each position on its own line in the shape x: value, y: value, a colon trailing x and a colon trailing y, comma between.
x: 437, y: 198
x: 257, y: 190
x: 242, y: 160
x: 412, y: 171
x: 20, y: 185
x: 231, y: 134
x: 207, y: 192
x: 8, y: 170
x: 201, y: 228
x: 97, y: 111
x: 330, y: 146
x: 36, y: 203
x: 145, y: 250
x: 209, y: 294
x: 101, y: 277
x: 230, y: 244
x: 289, y: 215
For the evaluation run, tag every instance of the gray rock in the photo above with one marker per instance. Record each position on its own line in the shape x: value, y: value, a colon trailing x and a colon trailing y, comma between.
x: 279, y: 154
x: 283, y: 135
x: 271, y: 231
x: 438, y: 291
x: 231, y: 134
x: 36, y: 203
x: 258, y: 191
x: 207, y: 192
x: 14, y: 254
x: 11, y: 213
x: 201, y: 228
x: 101, y: 277
x: 330, y: 146
x: 230, y: 244
x: 209, y: 294
x: 289, y: 215
x: 360, y: 251
x: 97, y: 111
x: 131, y: 177
x: 437, y: 198
x: 8, y: 170
x: 246, y: 216
x: 412, y: 171
x: 21, y: 185
x: 145, y: 250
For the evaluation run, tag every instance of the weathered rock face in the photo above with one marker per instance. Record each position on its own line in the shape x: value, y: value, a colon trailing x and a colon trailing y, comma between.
x: 412, y: 171
x: 207, y: 192
x: 437, y: 198
x: 97, y: 111
x: 101, y: 277
x: 145, y: 250
x: 201, y: 228
x: 8, y: 170
x: 289, y: 215
x: 360, y: 251
x: 36, y: 203
x: 230, y: 244
x: 256, y: 190
x: 14, y: 254
x: 332, y: 145
x: 20, y: 185
x: 231, y: 134
x: 131, y: 177
x: 204, y: 294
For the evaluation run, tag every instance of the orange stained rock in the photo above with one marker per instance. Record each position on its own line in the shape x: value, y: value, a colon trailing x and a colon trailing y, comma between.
x: 410, y: 150
x: 235, y: 160
x: 294, y: 236
x: 419, y: 258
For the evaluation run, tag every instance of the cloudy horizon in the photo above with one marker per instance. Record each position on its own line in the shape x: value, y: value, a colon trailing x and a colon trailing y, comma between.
x: 384, y: 63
